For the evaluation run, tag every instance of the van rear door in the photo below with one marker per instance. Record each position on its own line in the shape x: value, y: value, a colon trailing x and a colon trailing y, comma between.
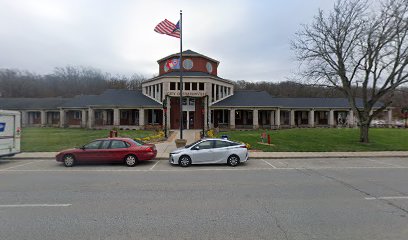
x: 8, y: 141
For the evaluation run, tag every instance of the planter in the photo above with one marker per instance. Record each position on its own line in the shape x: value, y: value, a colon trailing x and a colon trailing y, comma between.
x: 180, y: 143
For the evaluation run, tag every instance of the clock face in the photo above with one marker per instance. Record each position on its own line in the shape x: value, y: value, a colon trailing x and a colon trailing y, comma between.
x: 166, y: 69
x: 188, y: 64
x: 209, y: 67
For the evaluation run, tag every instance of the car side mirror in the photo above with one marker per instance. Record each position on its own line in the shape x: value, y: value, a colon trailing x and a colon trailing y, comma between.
x: 82, y: 147
x: 196, y: 148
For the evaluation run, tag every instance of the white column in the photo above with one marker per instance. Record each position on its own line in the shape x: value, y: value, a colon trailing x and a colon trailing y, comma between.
x: 141, y: 118
x: 160, y: 92
x: 62, y: 118
x: 43, y: 118
x: 232, y: 118
x: 83, y: 118
x: 219, y: 92
x: 292, y: 118
x: 311, y: 118
x: 277, y: 117
x: 153, y: 115
x: 255, y: 119
x: 24, y: 118
x: 157, y: 91
x: 205, y: 112
x: 91, y: 118
x: 331, y: 118
x: 272, y: 118
x: 188, y: 120
x: 389, y: 117
x: 104, y: 117
x: 116, y: 117
x: 215, y: 92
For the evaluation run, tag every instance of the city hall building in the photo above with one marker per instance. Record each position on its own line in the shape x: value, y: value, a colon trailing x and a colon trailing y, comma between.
x: 209, y: 101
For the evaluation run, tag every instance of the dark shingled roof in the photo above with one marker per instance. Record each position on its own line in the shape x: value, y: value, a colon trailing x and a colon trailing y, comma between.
x: 247, y: 99
x: 31, y: 103
x: 264, y: 99
x: 111, y: 97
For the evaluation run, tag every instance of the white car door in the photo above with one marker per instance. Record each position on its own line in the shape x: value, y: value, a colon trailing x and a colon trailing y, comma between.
x: 203, y: 152
x: 222, y: 150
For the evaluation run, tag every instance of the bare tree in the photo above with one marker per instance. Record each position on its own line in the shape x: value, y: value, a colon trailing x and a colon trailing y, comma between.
x: 357, y: 42
x: 135, y: 82
x: 63, y: 82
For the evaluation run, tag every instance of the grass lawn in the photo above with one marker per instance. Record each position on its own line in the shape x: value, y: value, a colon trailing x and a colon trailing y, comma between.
x: 324, y: 139
x: 56, y: 139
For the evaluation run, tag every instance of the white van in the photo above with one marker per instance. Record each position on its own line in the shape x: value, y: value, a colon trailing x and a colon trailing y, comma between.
x: 10, y: 132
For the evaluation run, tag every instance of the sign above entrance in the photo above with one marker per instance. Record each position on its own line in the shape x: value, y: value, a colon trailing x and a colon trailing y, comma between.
x: 187, y: 93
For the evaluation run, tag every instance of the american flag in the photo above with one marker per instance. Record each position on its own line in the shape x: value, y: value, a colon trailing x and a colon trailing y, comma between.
x: 168, y: 28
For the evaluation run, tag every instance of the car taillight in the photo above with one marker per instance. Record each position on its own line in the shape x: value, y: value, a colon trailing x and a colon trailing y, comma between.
x: 149, y: 149
x: 243, y: 146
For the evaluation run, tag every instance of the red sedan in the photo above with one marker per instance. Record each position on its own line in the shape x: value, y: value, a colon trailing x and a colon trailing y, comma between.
x: 106, y: 150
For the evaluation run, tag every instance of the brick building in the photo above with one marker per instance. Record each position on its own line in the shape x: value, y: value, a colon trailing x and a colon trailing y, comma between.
x: 209, y: 101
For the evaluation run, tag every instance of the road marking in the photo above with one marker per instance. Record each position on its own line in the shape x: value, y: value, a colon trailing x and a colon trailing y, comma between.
x: 154, y: 165
x: 5, y: 169
x: 34, y: 205
x: 386, y: 198
x: 269, y: 163
x: 388, y: 164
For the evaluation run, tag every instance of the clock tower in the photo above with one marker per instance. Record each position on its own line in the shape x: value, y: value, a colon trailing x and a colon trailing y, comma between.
x: 201, y: 88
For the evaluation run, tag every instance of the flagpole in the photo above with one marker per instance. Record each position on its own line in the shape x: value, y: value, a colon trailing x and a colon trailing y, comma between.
x: 181, y: 75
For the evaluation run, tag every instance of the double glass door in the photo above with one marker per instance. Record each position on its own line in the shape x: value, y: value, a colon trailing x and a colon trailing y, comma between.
x: 188, y: 119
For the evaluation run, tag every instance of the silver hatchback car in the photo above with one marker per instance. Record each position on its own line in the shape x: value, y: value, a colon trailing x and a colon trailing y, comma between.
x: 212, y: 150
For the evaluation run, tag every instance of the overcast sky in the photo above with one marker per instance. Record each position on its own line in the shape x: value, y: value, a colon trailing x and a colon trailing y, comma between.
x: 251, y: 39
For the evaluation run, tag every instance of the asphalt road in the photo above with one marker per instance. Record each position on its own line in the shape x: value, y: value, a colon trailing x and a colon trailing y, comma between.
x: 263, y: 199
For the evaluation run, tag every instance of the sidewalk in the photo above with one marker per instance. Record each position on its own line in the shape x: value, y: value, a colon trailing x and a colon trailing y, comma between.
x: 164, y: 148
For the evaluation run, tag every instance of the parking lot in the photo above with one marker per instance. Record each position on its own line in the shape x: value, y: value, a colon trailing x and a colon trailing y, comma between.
x: 321, y: 198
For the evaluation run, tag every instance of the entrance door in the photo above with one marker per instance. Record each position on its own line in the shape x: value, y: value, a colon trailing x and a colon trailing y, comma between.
x: 192, y: 113
x: 184, y: 119
x: 191, y: 119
